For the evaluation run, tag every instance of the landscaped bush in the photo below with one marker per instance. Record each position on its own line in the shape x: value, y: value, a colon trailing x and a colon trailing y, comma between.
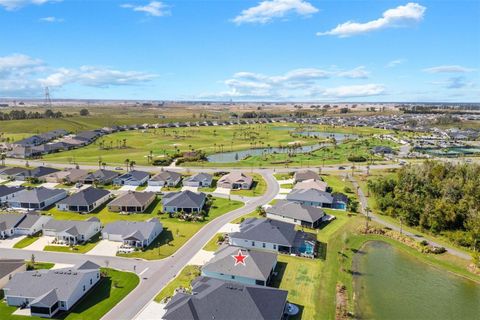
x: 357, y: 159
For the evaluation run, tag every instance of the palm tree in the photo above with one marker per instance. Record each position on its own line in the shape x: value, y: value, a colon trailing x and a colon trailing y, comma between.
x: 127, y: 163
x: 132, y: 164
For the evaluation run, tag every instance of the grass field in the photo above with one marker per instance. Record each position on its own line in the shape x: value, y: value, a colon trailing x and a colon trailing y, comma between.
x: 182, y: 280
x: 101, y: 299
x: 212, y: 245
x: 161, y: 142
x: 81, y: 248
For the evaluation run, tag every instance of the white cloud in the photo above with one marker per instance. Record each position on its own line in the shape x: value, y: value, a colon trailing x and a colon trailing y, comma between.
x: 21, y: 75
x: 357, y: 73
x: 363, y: 90
x: 294, y: 84
x: 51, y: 19
x: 399, y: 16
x: 448, y: 69
x: 394, y: 63
x: 154, y: 8
x: 459, y: 82
x: 11, y: 5
x: 268, y: 10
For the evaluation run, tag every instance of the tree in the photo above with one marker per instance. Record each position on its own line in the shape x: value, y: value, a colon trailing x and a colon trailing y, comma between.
x: 84, y: 112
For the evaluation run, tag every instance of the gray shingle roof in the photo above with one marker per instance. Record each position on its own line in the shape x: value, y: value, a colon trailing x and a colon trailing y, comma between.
x: 184, y: 199
x: 29, y: 221
x: 131, y: 199
x: 235, y: 177
x: 313, y: 195
x: 10, y: 220
x: 217, y: 299
x: 6, y: 190
x: 306, y: 175
x: 9, y: 265
x: 102, y: 175
x: 258, y: 264
x: 73, y: 227
x: 166, y: 176
x: 199, y: 177
x: 37, y: 195
x: 296, y: 211
x: 84, y: 197
x: 266, y: 230
x: 13, y: 171
x: 134, y: 175
x: 141, y: 230
x: 38, y: 172
x: 39, y: 283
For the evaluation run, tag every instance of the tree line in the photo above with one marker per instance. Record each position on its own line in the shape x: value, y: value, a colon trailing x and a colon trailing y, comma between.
x: 22, y: 115
x: 443, y: 198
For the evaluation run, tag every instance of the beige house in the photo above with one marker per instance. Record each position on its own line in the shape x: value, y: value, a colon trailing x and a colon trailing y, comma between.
x: 132, y: 202
x: 311, y: 184
x: 235, y: 180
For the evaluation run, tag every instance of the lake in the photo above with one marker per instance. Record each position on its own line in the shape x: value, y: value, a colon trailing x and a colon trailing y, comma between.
x: 392, y: 285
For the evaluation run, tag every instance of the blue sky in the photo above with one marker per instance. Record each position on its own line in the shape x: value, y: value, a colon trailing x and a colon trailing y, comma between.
x: 296, y: 50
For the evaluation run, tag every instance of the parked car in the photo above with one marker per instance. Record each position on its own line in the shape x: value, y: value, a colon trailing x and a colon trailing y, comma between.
x: 118, y: 168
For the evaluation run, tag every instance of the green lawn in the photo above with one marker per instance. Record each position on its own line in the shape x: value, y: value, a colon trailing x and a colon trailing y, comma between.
x: 258, y: 188
x: 287, y: 186
x: 25, y: 242
x: 283, y: 176
x: 176, y: 232
x: 212, y: 245
x: 183, y: 279
x: 211, y: 188
x: 101, y: 299
x: 81, y: 248
x: 43, y: 265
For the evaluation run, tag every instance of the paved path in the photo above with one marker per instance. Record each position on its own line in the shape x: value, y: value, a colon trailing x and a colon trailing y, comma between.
x: 376, y: 218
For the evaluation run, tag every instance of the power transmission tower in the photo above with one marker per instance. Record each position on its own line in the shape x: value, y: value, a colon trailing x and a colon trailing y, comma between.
x: 48, y: 101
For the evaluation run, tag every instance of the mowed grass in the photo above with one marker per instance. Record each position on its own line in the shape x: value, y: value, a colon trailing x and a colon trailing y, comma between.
x: 211, y: 140
x: 25, y: 242
x: 81, y: 248
x: 102, y: 298
x: 212, y: 244
x: 183, y: 280
x: 258, y: 188
x: 175, y: 232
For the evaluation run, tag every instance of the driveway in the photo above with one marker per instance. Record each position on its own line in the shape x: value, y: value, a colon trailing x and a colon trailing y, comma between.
x: 285, y: 191
x: 230, y: 227
x: 83, y: 187
x: 40, y: 243
x: 49, y: 185
x: 201, y: 258
x: 105, y: 248
x: 128, y: 188
x: 10, y: 242
x: 193, y: 189
x: 14, y: 183
x: 153, y: 189
x: 281, y: 196
x: 153, y: 310
x: 287, y: 181
x: 222, y: 191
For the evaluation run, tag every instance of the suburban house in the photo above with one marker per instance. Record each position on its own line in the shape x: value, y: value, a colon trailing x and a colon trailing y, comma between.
x: 21, y: 224
x: 72, y: 232
x: 311, y: 197
x: 100, y: 176
x: 37, y: 173
x: 198, y: 180
x: 235, y: 180
x: 296, y: 213
x: 312, y: 184
x: 36, y: 198
x: 7, y: 192
x: 303, y: 175
x: 216, y: 299
x: 264, y: 234
x: 340, y: 201
x: 257, y: 269
x: 382, y: 150
x: 67, y: 176
x: 85, y: 200
x: 46, y: 292
x: 165, y: 179
x: 138, y: 234
x: 10, y: 173
x: 132, y: 178
x: 132, y: 202
x: 9, y: 267
x: 185, y: 201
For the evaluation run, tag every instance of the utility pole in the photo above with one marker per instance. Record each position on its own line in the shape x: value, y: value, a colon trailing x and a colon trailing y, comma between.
x: 47, y: 101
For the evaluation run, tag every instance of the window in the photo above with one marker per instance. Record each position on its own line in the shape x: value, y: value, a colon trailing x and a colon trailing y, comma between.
x: 275, y: 246
x: 91, y: 281
x: 84, y: 288
x: 253, y: 243
x: 263, y: 245
x: 233, y: 277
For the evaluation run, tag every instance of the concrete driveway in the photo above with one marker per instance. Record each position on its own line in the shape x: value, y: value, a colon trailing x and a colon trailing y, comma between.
x: 193, y: 189
x: 128, y: 188
x: 201, y: 258
x: 153, y: 189
x: 230, y: 227
x: 287, y: 181
x: 153, y: 310
x: 285, y: 191
x: 281, y: 196
x: 222, y: 191
x: 105, y: 248
x: 10, y: 242
x: 14, y: 183
x: 40, y: 243
x: 49, y: 185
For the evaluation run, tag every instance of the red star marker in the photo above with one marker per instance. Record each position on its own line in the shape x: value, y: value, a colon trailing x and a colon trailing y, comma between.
x: 240, y: 258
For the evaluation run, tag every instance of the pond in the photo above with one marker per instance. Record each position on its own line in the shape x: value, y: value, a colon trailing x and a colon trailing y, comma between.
x: 391, y: 284
x: 451, y: 151
x: 234, y: 156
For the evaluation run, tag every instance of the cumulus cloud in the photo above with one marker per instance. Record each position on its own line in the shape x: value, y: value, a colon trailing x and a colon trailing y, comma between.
x: 268, y: 10
x: 399, y: 16
x: 295, y: 84
x: 11, y: 5
x: 354, y: 91
x: 51, y: 19
x: 21, y: 75
x: 154, y: 8
x: 448, y: 69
